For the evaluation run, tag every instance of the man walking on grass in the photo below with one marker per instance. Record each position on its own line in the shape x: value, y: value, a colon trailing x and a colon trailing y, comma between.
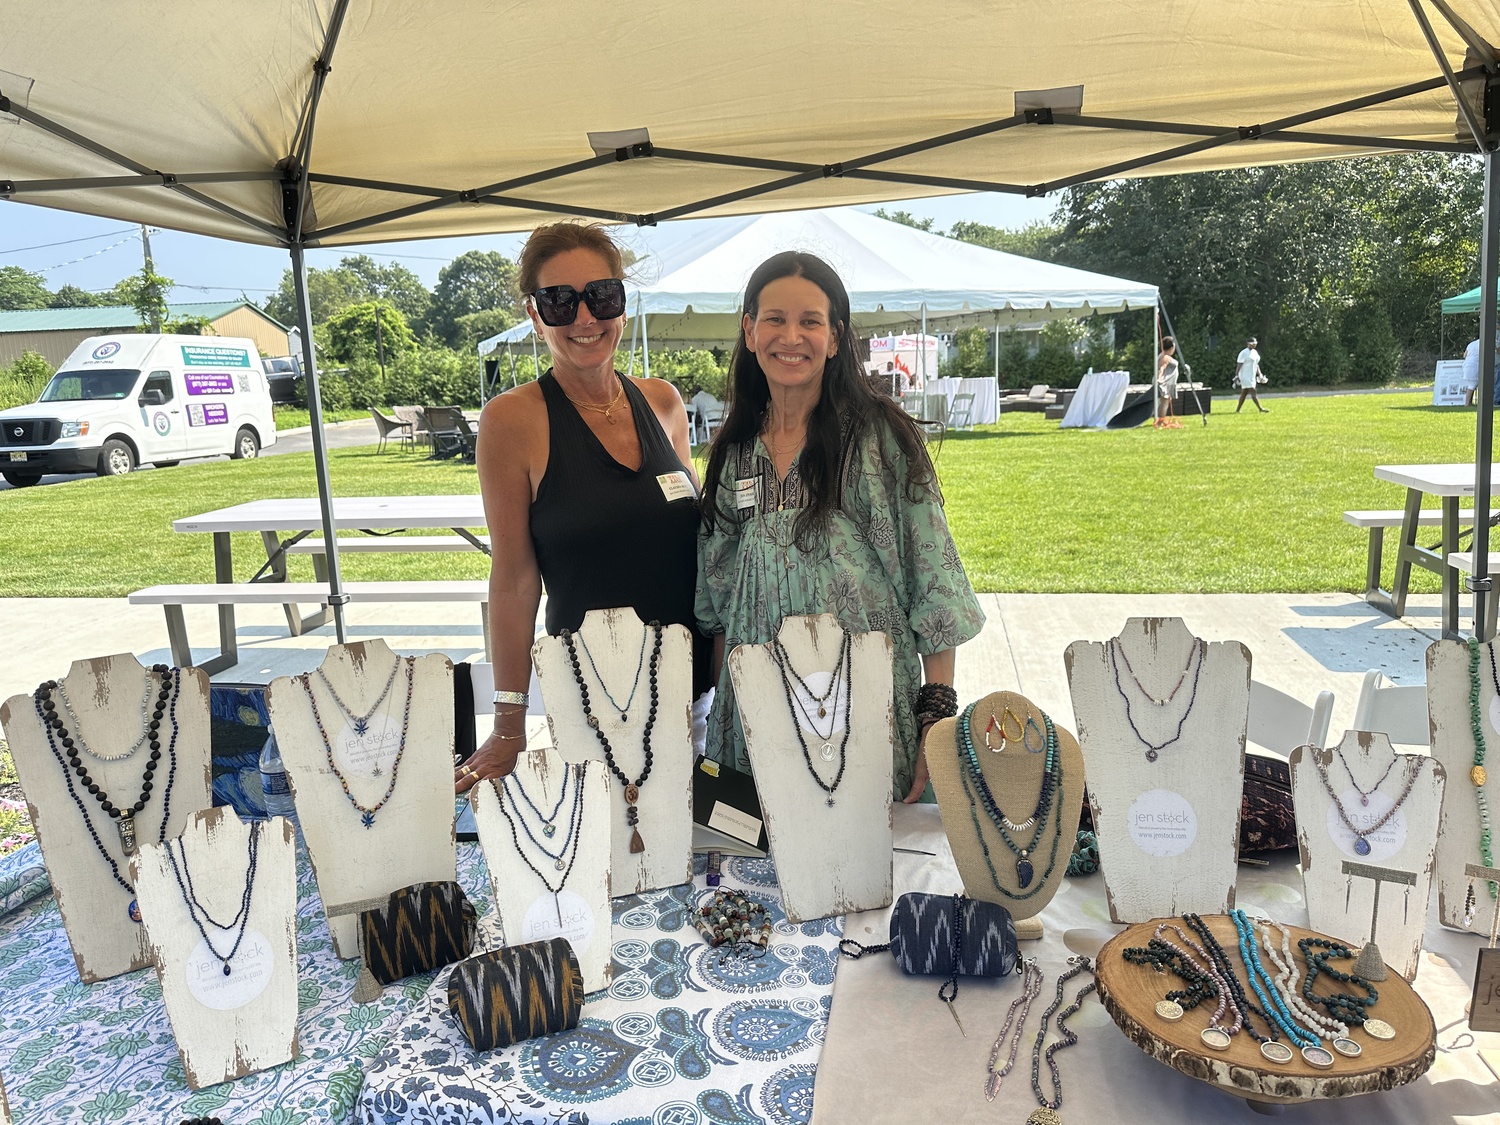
x: 1247, y: 374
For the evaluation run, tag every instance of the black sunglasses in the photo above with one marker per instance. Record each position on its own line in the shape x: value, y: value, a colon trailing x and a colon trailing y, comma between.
x: 557, y: 305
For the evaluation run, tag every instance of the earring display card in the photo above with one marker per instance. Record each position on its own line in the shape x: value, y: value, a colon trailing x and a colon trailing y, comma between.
x: 1462, y: 692
x: 1161, y: 719
x: 613, y: 648
x: 526, y: 861
x: 370, y: 833
x: 832, y: 849
x: 230, y: 990
x: 109, y: 702
x: 1360, y: 802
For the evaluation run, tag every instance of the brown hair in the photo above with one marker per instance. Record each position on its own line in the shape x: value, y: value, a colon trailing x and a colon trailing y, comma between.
x: 553, y: 239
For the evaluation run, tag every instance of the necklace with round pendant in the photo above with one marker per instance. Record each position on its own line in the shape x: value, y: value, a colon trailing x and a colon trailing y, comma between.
x: 1276, y: 1052
x: 1379, y: 1029
x: 1169, y: 1010
x: 1215, y: 1038
x: 1320, y: 1058
x: 1347, y: 1047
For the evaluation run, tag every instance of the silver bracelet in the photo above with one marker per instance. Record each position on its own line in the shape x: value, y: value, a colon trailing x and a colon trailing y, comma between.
x: 517, y: 697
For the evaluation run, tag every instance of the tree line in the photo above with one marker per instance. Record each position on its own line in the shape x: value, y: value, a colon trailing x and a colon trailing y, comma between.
x: 1337, y: 267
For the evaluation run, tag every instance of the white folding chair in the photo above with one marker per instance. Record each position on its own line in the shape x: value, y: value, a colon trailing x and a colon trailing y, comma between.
x: 1400, y: 713
x: 1280, y: 723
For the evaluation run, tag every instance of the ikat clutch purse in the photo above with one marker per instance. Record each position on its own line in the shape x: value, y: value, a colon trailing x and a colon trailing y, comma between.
x: 519, y: 993
x: 947, y: 936
x: 418, y: 929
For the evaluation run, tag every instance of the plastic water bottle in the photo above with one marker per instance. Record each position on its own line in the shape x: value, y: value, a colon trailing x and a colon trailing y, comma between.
x: 275, y: 786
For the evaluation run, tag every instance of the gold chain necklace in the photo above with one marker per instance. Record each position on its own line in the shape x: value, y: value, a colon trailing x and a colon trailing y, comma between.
x: 605, y: 408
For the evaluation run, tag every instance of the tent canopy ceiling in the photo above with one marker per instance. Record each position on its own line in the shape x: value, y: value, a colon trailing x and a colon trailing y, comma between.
x: 689, y: 278
x: 418, y: 105
x: 1463, y: 302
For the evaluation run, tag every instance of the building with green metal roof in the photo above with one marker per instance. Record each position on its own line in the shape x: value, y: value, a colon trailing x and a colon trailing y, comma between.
x: 56, y: 332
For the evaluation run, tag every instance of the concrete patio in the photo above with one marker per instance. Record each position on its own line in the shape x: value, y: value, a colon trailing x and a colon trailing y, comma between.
x: 1300, y: 643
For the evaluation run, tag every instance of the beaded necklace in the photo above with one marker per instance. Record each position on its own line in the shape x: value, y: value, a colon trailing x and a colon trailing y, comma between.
x: 1313, y: 1051
x: 635, y: 684
x: 632, y: 791
x: 366, y: 813
x: 547, y: 820
x: 973, y: 781
x: 1361, y: 844
x: 61, y: 693
x: 361, y: 723
x: 1047, y: 1114
x: 1270, y: 1045
x: 1478, y: 775
x: 1031, y: 988
x: 1287, y: 976
x: 196, y: 911
x: 1345, y: 1006
x: 1117, y: 657
x: 574, y: 836
x: 72, y: 742
x: 511, y: 787
x: 133, y: 910
x: 843, y: 673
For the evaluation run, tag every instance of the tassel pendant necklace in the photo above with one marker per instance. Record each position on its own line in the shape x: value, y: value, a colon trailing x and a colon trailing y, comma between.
x: 632, y: 792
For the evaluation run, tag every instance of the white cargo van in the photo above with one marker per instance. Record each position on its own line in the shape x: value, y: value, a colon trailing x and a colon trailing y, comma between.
x: 139, y: 398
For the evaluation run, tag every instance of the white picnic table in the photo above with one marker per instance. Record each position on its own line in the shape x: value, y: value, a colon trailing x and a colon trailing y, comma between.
x: 297, y: 518
x: 1449, y: 483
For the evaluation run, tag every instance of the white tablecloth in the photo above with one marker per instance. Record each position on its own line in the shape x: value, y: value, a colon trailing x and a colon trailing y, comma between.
x: 1100, y: 396
x: 986, y: 408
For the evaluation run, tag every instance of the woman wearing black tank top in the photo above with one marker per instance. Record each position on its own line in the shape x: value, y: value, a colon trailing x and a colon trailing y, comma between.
x: 587, y: 478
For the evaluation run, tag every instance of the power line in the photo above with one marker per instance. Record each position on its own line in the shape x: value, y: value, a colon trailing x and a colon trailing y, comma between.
x: 131, y: 237
x: 66, y: 242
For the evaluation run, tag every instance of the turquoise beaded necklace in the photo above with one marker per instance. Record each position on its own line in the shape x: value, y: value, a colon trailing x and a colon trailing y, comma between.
x: 1269, y: 997
x: 1477, y: 775
x: 1051, y: 784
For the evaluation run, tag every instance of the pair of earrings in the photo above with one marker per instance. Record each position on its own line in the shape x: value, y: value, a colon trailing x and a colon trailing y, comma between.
x: 1405, y: 898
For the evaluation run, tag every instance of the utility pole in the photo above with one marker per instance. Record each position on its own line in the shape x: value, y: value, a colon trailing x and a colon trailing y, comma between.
x: 150, y: 271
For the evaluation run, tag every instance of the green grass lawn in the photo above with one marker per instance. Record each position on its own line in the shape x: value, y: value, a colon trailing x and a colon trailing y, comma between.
x: 1251, y: 503
x: 295, y: 417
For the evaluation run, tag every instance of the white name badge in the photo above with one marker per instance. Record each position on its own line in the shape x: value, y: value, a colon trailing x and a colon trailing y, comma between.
x: 744, y: 494
x: 250, y: 970
x: 676, y: 486
x: 577, y: 920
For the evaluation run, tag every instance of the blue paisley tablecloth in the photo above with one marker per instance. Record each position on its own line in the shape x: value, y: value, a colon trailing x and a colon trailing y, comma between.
x: 72, y: 1052
x: 680, y: 1037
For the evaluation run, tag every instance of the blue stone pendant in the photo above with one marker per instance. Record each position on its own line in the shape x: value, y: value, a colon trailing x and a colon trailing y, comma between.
x: 367, y: 819
x: 1023, y: 872
x: 1361, y: 846
x: 361, y: 727
x: 549, y: 830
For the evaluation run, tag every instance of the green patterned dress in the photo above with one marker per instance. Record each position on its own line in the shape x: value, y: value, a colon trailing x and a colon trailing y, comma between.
x: 886, y: 563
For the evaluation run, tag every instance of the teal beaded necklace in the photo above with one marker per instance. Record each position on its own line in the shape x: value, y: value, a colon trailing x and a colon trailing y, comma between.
x: 1477, y: 775
x: 973, y: 779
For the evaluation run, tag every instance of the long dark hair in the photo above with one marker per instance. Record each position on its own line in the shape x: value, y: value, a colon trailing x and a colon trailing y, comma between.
x: 847, y: 408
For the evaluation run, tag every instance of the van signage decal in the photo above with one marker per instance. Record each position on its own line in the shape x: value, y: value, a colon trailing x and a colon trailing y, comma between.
x: 161, y: 423
x: 207, y: 414
x: 208, y: 382
x: 204, y: 355
x: 105, y: 351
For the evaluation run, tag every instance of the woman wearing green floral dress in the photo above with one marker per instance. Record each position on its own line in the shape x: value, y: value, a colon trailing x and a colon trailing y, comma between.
x: 820, y: 498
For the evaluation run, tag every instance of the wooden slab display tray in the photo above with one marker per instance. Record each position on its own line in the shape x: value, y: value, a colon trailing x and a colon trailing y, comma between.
x: 1129, y: 993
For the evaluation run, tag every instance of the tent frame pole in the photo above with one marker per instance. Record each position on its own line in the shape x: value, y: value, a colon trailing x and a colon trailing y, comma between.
x: 1480, y: 583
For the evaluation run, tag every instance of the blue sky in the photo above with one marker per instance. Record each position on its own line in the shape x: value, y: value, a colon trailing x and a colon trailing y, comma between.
x: 206, y: 269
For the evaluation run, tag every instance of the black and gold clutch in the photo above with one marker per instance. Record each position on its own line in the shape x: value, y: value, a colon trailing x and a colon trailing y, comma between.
x: 418, y: 929
x: 523, y: 992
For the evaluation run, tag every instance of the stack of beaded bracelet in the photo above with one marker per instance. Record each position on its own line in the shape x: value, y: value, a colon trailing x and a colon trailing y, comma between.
x: 734, y: 920
x: 1313, y: 1051
x: 1270, y: 1046
x: 1344, y: 1006
x: 934, y: 701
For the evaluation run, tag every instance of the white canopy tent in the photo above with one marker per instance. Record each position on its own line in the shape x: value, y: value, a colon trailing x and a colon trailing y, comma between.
x: 337, y: 122
x: 689, y: 279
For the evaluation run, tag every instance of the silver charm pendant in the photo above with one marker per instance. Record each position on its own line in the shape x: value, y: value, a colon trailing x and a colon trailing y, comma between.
x: 1319, y: 1058
x: 127, y: 834
x: 826, y: 751
x: 1276, y: 1052
x: 1169, y: 1010
x: 1347, y: 1047
x: 1379, y: 1029
x: 1215, y: 1038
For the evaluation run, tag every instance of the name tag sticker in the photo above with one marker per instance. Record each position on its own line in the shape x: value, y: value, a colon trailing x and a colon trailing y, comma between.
x: 676, y: 486
x: 744, y: 494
